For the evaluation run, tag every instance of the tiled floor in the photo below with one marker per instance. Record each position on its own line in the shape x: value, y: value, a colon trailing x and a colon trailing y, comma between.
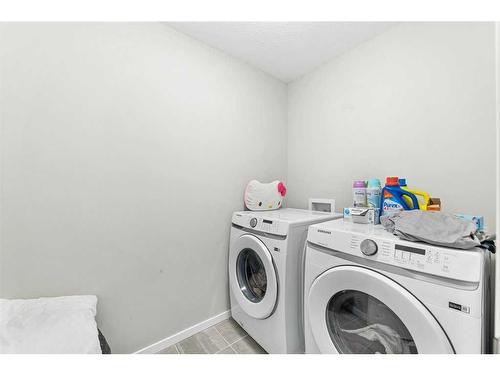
x: 227, y: 337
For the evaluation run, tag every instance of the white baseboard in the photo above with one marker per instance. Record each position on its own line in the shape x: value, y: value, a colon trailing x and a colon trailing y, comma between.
x: 184, y: 334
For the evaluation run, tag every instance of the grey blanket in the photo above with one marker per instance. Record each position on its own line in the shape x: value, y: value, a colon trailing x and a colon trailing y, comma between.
x: 433, y: 227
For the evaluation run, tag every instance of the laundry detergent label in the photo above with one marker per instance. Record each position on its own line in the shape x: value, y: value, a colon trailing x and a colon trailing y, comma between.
x: 391, y: 205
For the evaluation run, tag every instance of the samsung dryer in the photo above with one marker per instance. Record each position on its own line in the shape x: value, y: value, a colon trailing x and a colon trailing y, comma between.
x: 367, y: 291
x: 265, y: 275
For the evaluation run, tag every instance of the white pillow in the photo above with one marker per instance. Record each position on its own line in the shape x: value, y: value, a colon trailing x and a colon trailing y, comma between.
x: 56, y: 325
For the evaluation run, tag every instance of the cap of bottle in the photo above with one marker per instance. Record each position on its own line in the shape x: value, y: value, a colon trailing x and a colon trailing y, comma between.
x: 373, y: 182
x: 392, y: 181
x: 358, y: 184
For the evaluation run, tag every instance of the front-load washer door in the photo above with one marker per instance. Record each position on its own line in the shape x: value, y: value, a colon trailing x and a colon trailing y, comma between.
x: 353, y: 309
x: 252, y: 276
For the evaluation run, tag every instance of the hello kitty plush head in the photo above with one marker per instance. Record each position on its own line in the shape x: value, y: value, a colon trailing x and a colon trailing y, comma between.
x: 262, y: 197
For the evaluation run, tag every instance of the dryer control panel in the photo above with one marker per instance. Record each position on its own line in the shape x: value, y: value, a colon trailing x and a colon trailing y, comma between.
x: 382, y: 247
x: 260, y: 224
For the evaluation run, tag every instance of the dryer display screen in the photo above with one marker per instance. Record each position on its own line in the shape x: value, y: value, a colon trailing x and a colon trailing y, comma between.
x: 414, y: 250
x: 267, y: 221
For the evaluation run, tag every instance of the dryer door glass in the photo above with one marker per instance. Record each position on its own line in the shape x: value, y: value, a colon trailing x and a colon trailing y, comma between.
x: 251, y: 275
x: 360, y: 323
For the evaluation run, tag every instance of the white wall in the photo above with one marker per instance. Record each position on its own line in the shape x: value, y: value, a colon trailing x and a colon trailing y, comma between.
x: 125, y: 149
x: 417, y: 101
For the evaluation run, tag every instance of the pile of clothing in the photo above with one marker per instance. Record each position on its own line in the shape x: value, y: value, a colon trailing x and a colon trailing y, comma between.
x: 437, y: 228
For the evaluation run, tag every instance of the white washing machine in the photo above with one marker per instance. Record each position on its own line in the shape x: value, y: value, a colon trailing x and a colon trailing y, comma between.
x: 265, y: 275
x: 366, y: 291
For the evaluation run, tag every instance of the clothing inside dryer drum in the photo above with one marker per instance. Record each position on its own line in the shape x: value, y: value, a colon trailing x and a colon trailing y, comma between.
x: 251, y: 275
x: 360, y: 323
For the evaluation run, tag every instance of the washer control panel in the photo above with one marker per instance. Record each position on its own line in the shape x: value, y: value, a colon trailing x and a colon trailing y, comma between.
x: 380, y: 246
x: 450, y: 263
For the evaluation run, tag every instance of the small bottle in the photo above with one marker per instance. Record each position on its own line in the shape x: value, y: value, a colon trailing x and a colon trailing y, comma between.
x: 374, y: 196
x: 373, y: 190
x: 359, y: 193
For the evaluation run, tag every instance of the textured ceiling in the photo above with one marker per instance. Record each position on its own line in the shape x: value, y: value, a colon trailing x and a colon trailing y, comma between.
x: 285, y: 50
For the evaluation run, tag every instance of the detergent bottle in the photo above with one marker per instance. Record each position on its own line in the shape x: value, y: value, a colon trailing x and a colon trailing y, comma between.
x: 422, y: 196
x: 393, y: 198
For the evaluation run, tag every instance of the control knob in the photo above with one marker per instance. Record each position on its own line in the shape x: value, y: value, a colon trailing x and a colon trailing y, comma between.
x: 368, y: 247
